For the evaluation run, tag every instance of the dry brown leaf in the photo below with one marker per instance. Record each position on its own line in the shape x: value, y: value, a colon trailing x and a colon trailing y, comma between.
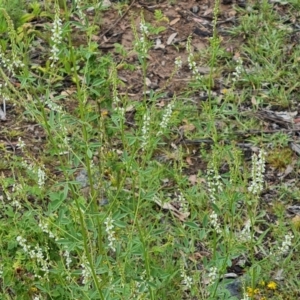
x: 130, y: 108
x: 197, y: 256
x: 201, y: 21
x: 161, y: 104
x: 253, y: 100
x: 193, y: 179
x: 187, y: 127
x: 169, y: 206
x: 173, y: 22
x: 189, y: 161
x: 231, y: 13
x: 171, y: 38
x: 148, y: 81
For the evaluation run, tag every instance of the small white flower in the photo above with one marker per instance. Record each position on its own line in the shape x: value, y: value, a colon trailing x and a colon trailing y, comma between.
x: 86, y: 270
x: 187, y: 281
x: 144, y: 28
x: 238, y: 69
x: 20, y: 143
x: 286, y: 244
x: 165, y: 118
x: 245, y: 234
x: 214, y: 221
x: 212, y: 275
x: 184, y: 206
x: 257, y: 173
x: 23, y: 243
x: 53, y: 106
x: 16, y: 204
x: 193, y: 66
x: 178, y: 62
x: 45, y: 228
x: 110, y: 232
x: 145, y: 130
x: 67, y: 256
x: 41, y: 177
x: 56, y: 37
x: 214, y: 184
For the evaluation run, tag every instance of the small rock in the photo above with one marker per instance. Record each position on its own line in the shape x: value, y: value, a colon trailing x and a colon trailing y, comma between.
x: 235, y: 288
x: 226, y: 2
x: 82, y: 178
x: 103, y: 202
x: 241, y: 3
x: 195, y: 9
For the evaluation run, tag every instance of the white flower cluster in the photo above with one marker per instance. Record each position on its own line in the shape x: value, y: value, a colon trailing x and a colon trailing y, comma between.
x: 142, y: 281
x: 214, y: 183
x: 178, y: 62
x: 39, y: 172
x: 17, y: 189
x: 21, y: 144
x: 184, y: 206
x: 63, y: 130
x: 214, y: 221
x: 45, y: 228
x: 193, y: 67
x: 238, y: 69
x: 27, y: 165
x: 53, y: 106
x: 142, y: 43
x: 41, y: 177
x: 144, y: 28
x: 245, y: 234
x: 86, y: 271
x: 191, y: 61
x: 56, y: 37
x: 212, y: 275
x: 16, y: 204
x: 35, y: 253
x: 10, y: 64
x: 187, y: 281
x: 286, y: 244
x: 166, y: 118
x: 145, y: 130
x: 110, y: 232
x: 257, y: 173
x: 68, y: 258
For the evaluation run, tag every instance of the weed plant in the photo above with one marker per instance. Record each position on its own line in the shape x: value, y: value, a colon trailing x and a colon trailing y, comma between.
x: 102, y: 208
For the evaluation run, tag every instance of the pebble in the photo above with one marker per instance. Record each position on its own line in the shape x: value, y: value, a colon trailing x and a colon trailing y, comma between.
x: 195, y: 9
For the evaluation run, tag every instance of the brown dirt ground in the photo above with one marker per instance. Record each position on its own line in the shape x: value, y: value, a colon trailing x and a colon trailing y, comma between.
x: 182, y: 22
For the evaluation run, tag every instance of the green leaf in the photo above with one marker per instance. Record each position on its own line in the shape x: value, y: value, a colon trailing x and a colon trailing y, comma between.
x: 89, y: 153
x: 192, y: 225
